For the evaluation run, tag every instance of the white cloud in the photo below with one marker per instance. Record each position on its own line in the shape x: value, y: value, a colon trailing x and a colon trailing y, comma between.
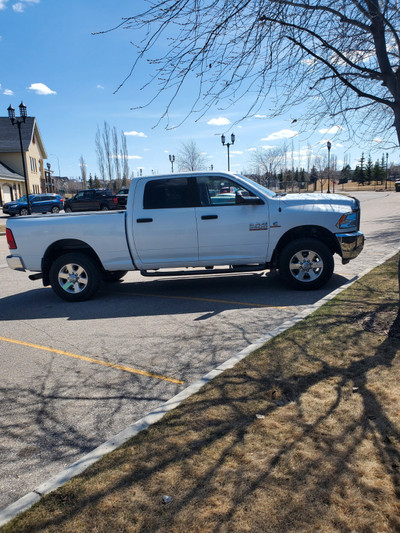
x: 378, y: 140
x: 98, y: 86
x: 19, y: 7
x: 41, y: 88
x: 332, y: 131
x: 252, y: 149
x: 220, y: 121
x: 281, y: 134
x: 267, y: 146
x: 134, y: 133
x: 260, y: 116
x: 3, y: 4
x: 8, y: 92
x: 238, y: 152
x: 134, y: 157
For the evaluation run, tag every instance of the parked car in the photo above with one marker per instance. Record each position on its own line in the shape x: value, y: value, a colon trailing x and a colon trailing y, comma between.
x: 122, y: 196
x: 92, y: 200
x: 39, y: 203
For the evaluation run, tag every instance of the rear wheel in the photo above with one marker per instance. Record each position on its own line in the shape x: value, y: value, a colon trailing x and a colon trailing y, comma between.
x: 104, y: 208
x: 67, y: 209
x: 55, y: 209
x: 75, y: 277
x: 306, y: 264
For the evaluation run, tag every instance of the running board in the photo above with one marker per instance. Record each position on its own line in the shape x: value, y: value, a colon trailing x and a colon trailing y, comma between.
x: 206, y: 271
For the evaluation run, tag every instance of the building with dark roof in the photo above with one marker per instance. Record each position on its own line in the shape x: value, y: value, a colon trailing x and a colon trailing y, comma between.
x: 12, y: 182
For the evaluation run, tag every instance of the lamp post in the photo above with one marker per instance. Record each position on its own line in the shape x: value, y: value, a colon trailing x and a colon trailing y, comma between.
x: 18, y: 122
x: 329, y: 144
x: 228, y: 145
x: 386, y: 180
x: 172, y: 160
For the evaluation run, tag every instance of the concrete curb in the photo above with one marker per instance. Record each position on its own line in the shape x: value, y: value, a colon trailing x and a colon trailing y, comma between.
x: 24, y: 503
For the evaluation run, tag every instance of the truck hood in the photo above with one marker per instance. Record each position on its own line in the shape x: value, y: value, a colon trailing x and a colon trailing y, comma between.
x: 318, y: 198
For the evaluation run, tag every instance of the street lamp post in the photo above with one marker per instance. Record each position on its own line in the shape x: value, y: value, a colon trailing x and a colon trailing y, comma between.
x: 18, y: 122
x: 386, y: 177
x: 228, y: 145
x: 172, y: 159
x: 329, y: 144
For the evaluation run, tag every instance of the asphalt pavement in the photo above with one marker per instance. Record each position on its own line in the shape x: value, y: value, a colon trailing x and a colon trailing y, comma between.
x: 75, y: 375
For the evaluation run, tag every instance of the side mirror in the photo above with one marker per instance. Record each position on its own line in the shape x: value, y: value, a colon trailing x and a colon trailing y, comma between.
x: 245, y: 199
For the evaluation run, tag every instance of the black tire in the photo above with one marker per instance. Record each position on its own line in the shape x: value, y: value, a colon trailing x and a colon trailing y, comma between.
x: 55, y: 209
x: 67, y: 209
x: 306, y: 264
x: 23, y: 211
x: 75, y: 277
x: 115, y: 275
x: 104, y: 208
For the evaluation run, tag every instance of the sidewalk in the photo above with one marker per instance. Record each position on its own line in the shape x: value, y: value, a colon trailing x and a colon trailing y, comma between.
x: 301, y: 435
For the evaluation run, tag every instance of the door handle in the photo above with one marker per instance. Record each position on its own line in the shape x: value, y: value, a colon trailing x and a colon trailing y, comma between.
x: 208, y: 217
x: 142, y: 220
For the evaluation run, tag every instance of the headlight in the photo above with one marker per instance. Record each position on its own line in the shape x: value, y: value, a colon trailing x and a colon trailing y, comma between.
x: 348, y: 220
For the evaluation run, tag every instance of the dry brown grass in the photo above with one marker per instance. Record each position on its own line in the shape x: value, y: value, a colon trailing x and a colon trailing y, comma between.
x: 301, y: 436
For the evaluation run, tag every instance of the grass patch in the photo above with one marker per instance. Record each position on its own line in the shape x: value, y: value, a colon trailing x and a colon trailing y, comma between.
x: 303, y: 435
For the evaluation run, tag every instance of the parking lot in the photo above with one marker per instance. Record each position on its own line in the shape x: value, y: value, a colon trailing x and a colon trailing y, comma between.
x: 73, y: 375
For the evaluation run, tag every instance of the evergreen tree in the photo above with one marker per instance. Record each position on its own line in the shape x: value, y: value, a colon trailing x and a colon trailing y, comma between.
x: 368, y: 170
x: 96, y: 182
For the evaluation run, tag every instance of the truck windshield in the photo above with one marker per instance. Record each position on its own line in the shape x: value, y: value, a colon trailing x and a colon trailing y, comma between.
x: 257, y: 186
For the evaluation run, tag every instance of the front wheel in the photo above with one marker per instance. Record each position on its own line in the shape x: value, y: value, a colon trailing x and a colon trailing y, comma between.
x: 306, y: 264
x: 75, y: 277
x: 23, y: 211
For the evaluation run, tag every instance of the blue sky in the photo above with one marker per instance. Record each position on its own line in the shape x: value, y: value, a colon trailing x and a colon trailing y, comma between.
x: 66, y: 77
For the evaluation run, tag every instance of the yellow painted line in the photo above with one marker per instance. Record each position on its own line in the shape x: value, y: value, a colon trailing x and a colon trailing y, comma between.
x: 92, y: 360
x: 212, y: 300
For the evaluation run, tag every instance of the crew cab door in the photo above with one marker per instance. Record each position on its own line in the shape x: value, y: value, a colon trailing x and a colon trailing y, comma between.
x: 82, y: 201
x: 164, y: 223
x: 232, y: 226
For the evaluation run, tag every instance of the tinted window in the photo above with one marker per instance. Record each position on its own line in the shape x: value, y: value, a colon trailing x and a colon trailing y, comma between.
x: 169, y: 194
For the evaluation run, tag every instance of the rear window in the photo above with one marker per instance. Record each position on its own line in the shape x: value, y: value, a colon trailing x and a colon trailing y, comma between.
x: 169, y: 194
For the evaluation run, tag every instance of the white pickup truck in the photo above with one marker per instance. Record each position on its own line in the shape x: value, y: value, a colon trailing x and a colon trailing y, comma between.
x: 192, y: 223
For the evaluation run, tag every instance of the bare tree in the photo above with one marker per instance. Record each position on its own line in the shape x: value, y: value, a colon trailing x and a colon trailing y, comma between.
x: 100, y: 154
x: 269, y: 162
x: 341, y: 57
x: 106, y: 138
x: 83, y: 166
x: 190, y: 158
x: 125, y: 160
x: 116, y: 157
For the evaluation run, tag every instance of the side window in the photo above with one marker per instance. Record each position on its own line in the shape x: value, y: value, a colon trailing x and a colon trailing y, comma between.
x: 169, y: 194
x: 79, y: 196
x: 219, y: 191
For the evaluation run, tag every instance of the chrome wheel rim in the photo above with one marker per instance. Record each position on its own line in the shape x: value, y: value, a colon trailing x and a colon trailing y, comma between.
x: 73, y: 278
x: 306, y: 266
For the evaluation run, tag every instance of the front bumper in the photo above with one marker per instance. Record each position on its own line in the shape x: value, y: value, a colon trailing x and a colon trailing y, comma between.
x: 351, y: 244
x: 15, y: 262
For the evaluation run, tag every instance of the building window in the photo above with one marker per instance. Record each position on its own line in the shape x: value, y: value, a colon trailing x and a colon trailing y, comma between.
x: 33, y: 164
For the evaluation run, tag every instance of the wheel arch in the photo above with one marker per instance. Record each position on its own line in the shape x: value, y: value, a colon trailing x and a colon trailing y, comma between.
x: 307, y: 231
x: 62, y: 247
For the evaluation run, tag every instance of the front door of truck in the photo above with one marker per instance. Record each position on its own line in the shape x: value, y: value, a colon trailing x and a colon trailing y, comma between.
x: 232, y: 223
x: 164, y: 223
